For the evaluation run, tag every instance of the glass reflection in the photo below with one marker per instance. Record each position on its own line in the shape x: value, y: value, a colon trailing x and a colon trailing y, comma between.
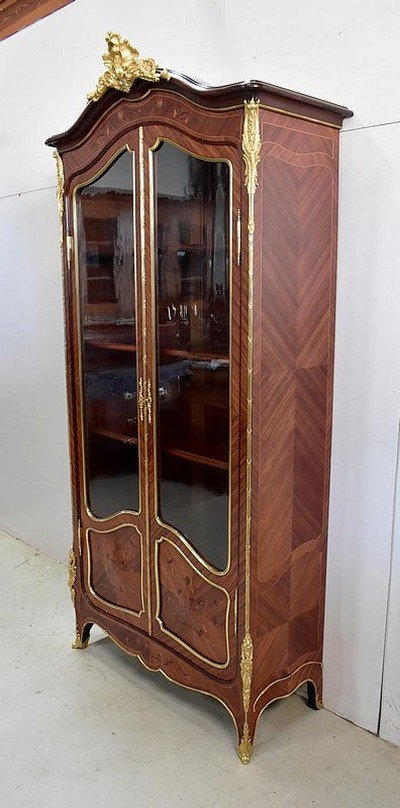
x: 107, y: 296
x: 192, y: 198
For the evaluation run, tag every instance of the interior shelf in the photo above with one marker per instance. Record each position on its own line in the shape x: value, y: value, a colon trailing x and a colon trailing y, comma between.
x: 99, y: 245
x: 97, y: 278
x: 170, y: 450
x: 177, y: 353
x: 204, y: 356
x: 107, y: 433
x: 177, y: 247
x: 196, y: 458
x: 107, y: 345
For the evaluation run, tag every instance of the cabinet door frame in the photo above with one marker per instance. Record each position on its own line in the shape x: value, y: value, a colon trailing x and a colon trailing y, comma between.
x: 214, y: 148
x: 125, y: 518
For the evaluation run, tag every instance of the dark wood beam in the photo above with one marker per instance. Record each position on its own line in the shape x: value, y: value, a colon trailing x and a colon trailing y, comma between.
x: 17, y: 14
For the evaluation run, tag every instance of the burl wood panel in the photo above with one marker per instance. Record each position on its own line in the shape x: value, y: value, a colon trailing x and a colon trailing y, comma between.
x: 293, y: 333
x: 116, y: 564
x: 191, y: 608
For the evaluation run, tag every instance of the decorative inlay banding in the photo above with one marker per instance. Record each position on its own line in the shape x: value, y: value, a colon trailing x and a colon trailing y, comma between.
x: 285, y: 679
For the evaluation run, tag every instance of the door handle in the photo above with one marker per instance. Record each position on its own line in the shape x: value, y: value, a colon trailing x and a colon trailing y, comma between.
x: 239, y: 238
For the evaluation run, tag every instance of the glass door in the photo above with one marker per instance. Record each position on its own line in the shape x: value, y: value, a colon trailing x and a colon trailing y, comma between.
x: 191, y: 198
x: 109, y: 415
x: 192, y: 297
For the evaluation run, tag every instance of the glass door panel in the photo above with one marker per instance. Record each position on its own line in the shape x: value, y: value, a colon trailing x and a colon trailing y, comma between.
x: 105, y: 231
x: 192, y: 294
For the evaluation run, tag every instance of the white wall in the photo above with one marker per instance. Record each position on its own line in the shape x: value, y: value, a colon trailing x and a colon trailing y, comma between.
x: 366, y: 414
x: 345, y: 51
x: 390, y: 723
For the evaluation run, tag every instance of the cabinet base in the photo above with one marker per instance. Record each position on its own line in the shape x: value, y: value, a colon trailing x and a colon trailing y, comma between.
x: 157, y: 658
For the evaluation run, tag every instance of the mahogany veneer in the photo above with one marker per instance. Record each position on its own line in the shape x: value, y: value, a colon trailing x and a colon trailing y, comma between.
x: 253, y: 632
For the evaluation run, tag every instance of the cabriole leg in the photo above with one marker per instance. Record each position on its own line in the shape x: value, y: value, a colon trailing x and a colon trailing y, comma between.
x: 245, y: 747
x: 82, y: 637
x: 314, y: 697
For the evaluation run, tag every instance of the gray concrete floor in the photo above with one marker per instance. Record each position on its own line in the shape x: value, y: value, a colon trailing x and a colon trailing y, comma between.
x: 94, y: 728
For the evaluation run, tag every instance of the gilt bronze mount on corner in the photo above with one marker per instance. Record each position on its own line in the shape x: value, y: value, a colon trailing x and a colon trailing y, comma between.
x: 199, y: 242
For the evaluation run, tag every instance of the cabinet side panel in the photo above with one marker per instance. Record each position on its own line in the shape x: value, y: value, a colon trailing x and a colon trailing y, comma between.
x: 293, y: 333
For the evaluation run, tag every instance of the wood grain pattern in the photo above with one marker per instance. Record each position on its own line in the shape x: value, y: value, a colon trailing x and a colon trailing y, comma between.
x: 293, y: 328
x: 294, y: 356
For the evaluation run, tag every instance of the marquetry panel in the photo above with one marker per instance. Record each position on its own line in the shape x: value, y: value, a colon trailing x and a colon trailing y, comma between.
x: 288, y: 614
x: 293, y: 350
x: 309, y: 453
x: 115, y: 567
x: 190, y: 608
x: 297, y: 190
x: 126, y: 114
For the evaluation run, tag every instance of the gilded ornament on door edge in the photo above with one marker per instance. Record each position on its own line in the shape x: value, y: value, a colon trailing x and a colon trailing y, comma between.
x: 60, y: 192
x: 72, y: 570
x: 251, y: 144
x: 246, y: 670
x: 123, y: 67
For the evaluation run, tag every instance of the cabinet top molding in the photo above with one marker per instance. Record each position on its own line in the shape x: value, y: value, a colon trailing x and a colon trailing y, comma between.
x: 135, y: 77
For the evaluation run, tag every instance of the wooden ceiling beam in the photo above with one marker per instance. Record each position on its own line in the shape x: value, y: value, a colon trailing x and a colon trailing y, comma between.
x: 17, y: 14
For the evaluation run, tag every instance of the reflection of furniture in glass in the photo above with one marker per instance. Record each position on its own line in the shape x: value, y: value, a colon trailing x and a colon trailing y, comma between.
x: 104, y: 208
x: 106, y: 246
x: 192, y: 323
x: 199, y: 338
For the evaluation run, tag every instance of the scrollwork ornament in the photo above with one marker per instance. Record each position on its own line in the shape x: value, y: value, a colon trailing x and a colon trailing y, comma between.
x: 245, y: 747
x: 246, y: 671
x: 60, y: 191
x: 251, y: 144
x: 72, y: 572
x: 123, y: 67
